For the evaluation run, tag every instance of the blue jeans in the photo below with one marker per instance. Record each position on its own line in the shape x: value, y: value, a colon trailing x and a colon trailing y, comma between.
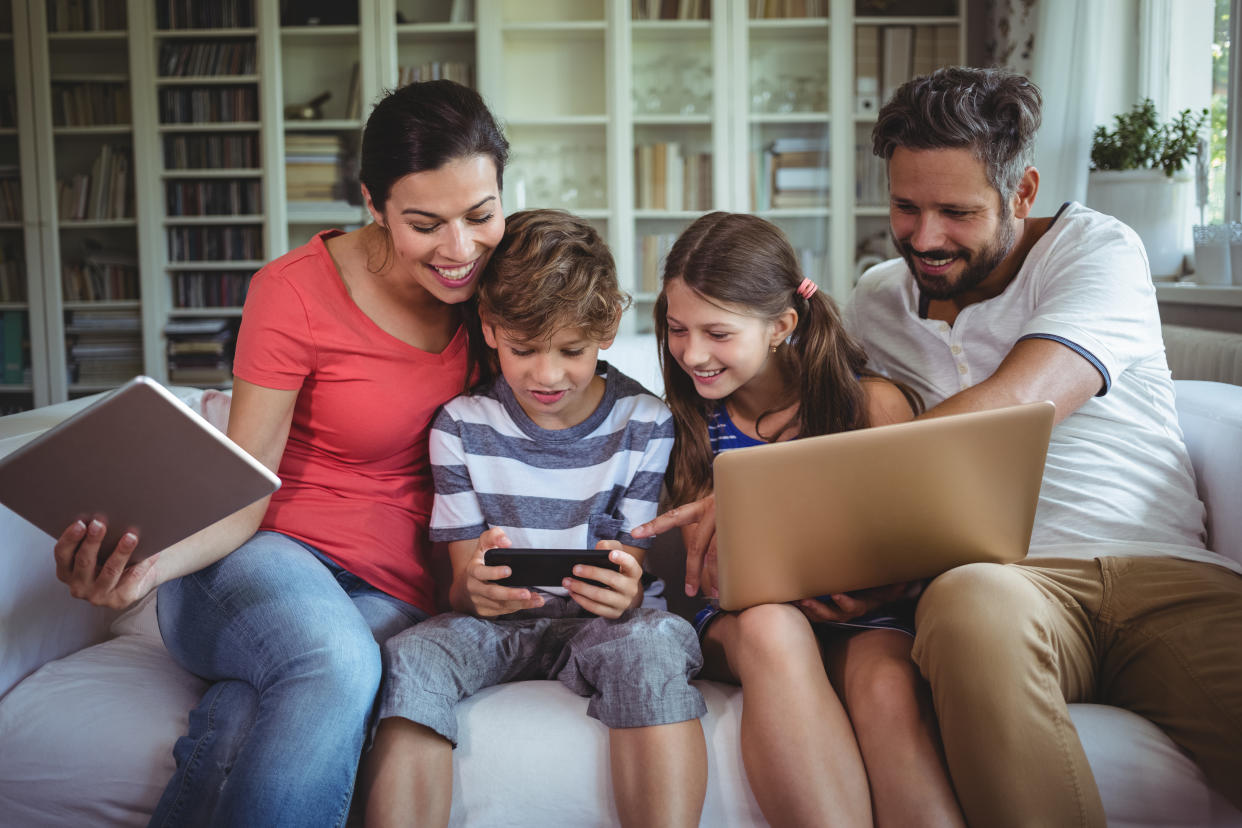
x: 291, y: 641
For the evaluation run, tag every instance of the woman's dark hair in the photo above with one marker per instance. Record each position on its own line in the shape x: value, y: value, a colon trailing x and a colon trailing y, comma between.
x: 747, y: 263
x: 423, y: 126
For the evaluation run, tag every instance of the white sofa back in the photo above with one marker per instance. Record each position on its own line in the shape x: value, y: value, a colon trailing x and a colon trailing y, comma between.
x: 40, y: 621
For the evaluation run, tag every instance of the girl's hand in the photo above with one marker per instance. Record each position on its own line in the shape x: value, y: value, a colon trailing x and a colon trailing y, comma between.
x: 847, y: 606
x: 624, y: 589
x: 488, y: 599
x: 698, y: 521
x: 115, y: 584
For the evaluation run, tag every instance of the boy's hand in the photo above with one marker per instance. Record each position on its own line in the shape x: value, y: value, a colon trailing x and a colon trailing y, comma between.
x: 623, y: 591
x: 488, y: 599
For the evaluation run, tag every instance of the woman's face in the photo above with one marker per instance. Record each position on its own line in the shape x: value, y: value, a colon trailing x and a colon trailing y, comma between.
x: 444, y: 224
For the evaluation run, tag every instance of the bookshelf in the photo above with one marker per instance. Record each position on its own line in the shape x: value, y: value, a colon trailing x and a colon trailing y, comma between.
x: 637, y: 114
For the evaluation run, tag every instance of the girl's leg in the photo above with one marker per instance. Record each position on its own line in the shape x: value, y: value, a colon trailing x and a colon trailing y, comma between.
x: 890, y: 707
x: 659, y: 773
x: 798, y: 747
x: 407, y: 776
x: 276, y: 740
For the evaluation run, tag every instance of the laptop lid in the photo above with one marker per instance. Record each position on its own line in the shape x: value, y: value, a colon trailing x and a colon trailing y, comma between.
x: 860, y: 509
x: 138, y: 458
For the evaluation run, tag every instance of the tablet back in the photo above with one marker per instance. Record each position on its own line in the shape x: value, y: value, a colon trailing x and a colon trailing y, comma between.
x: 138, y: 458
x: 866, y: 508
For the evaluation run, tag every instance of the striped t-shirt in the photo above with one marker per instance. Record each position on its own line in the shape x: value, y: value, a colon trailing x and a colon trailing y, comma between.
x: 562, y: 488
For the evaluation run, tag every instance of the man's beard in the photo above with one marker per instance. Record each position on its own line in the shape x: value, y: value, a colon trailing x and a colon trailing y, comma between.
x: 978, y: 265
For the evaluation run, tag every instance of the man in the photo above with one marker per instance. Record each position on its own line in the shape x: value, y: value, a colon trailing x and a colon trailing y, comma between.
x: 1118, y: 602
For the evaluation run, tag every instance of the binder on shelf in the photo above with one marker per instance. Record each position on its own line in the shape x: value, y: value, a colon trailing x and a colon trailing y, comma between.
x: 867, y: 69
x: 897, y: 56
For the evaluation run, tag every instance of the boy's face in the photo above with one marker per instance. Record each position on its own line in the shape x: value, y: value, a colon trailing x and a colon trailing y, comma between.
x: 553, y: 378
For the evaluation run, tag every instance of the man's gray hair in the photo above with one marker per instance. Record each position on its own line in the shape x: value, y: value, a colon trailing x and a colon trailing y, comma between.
x: 994, y: 113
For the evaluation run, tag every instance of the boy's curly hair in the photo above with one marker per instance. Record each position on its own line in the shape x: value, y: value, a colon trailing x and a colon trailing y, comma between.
x: 551, y: 271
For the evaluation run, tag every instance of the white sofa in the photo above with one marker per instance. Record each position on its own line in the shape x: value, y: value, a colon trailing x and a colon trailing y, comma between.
x: 94, y: 702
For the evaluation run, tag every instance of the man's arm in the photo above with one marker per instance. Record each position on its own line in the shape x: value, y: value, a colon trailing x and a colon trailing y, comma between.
x: 1035, y: 369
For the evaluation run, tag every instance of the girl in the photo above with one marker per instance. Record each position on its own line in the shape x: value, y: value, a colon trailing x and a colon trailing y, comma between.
x: 752, y: 354
x: 348, y: 346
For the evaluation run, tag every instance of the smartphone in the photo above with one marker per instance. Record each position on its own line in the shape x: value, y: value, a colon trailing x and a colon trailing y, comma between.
x: 546, y: 567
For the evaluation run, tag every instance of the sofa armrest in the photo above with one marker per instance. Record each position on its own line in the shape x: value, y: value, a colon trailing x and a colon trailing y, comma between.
x: 1210, y: 415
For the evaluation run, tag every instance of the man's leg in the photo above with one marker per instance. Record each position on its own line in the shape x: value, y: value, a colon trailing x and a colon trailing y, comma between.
x: 1004, y: 648
x: 1171, y: 638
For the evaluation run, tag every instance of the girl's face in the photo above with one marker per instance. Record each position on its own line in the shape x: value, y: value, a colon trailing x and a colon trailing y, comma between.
x: 444, y: 224
x: 720, y: 346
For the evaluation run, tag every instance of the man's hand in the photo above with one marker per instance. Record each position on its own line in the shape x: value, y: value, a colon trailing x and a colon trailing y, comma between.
x: 698, y: 523
x: 847, y: 606
x: 622, y: 591
x: 483, y: 597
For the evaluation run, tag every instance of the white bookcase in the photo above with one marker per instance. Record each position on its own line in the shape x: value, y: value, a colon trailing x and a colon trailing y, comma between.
x: 637, y: 121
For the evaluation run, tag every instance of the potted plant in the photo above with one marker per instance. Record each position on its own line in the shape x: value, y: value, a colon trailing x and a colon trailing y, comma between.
x: 1139, y: 174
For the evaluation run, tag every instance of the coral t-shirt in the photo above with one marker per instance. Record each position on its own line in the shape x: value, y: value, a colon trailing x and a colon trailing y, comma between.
x: 355, y: 476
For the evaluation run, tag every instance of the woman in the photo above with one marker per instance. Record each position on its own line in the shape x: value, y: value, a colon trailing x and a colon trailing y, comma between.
x: 347, y: 347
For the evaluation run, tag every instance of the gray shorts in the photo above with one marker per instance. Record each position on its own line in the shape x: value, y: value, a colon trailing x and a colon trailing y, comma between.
x: 636, y: 669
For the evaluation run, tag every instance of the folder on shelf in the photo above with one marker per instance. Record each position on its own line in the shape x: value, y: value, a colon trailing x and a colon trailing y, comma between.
x: 898, y: 57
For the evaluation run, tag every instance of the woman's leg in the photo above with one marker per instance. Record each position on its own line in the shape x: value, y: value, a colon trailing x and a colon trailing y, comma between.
x: 890, y: 707
x: 798, y: 747
x: 276, y: 741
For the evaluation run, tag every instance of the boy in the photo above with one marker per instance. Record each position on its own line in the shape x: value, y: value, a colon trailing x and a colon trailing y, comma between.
x: 561, y: 451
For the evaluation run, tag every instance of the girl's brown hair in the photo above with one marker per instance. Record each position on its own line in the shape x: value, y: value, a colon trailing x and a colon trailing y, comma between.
x: 746, y: 262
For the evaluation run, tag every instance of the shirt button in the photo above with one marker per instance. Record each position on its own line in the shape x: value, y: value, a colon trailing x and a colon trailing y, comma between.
x: 961, y: 369
x: 956, y: 349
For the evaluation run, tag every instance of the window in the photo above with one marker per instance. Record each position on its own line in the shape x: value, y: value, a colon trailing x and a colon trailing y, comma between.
x: 1225, y: 149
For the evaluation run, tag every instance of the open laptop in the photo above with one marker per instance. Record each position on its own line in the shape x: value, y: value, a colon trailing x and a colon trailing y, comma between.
x: 865, y: 508
x: 137, y: 458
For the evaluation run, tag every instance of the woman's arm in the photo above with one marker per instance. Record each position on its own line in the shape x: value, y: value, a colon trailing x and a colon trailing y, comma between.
x: 886, y: 405
x: 259, y: 421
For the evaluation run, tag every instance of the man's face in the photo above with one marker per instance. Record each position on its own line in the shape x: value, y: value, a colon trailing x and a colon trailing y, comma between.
x: 947, y: 221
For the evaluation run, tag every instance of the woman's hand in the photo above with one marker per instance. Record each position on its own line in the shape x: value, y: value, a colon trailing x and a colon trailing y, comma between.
x: 484, y: 598
x: 622, y: 591
x: 698, y: 522
x: 115, y: 584
x: 847, y: 606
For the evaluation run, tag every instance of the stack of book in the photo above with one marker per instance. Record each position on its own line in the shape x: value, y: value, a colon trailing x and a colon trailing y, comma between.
x: 652, y: 251
x: 199, y: 351
x: 670, y: 9
x: 104, y: 346
x: 104, y: 193
x: 797, y: 174
x: 90, y: 104
x: 209, y: 244
x: 887, y: 56
x: 193, y: 58
x: 12, y: 273
x: 210, y: 288
x: 10, y: 193
x: 195, y: 152
x: 666, y: 178
x: 101, y: 276
x: 14, y: 346
x: 454, y: 70
x: 313, y: 166
x: 212, y: 197
x: 85, y: 15
x: 761, y: 9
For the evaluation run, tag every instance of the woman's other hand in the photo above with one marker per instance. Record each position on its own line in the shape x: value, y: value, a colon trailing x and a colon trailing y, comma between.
x: 847, y: 606
x: 115, y: 584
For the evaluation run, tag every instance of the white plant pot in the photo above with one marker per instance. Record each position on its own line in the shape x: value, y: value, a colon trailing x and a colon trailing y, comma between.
x: 1160, y: 209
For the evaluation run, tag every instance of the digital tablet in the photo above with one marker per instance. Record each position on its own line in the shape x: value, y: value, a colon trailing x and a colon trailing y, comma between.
x: 137, y: 459
x: 546, y: 567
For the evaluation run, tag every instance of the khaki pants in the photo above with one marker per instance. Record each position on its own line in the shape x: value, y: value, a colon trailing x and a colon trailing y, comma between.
x: 1005, y: 648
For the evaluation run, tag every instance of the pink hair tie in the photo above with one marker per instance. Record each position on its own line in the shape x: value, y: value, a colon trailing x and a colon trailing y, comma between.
x: 807, y: 289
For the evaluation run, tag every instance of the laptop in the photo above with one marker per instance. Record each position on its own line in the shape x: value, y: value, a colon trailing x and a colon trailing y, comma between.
x: 137, y: 458
x: 860, y: 509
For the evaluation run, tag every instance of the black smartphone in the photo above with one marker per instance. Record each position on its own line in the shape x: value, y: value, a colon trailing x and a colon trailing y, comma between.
x: 546, y: 567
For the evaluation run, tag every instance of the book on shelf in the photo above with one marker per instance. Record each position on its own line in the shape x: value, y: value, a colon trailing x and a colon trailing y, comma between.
x: 85, y: 15
x: 103, y: 193
x: 897, y: 56
x: 787, y: 178
x: 668, y: 178
x: 651, y: 253
x: 12, y: 273
x: 867, y: 69
x: 454, y: 70
x: 13, y: 343
x: 10, y: 193
x: 101, y: 275
x: 210, y: 288
x: 353, y: 99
